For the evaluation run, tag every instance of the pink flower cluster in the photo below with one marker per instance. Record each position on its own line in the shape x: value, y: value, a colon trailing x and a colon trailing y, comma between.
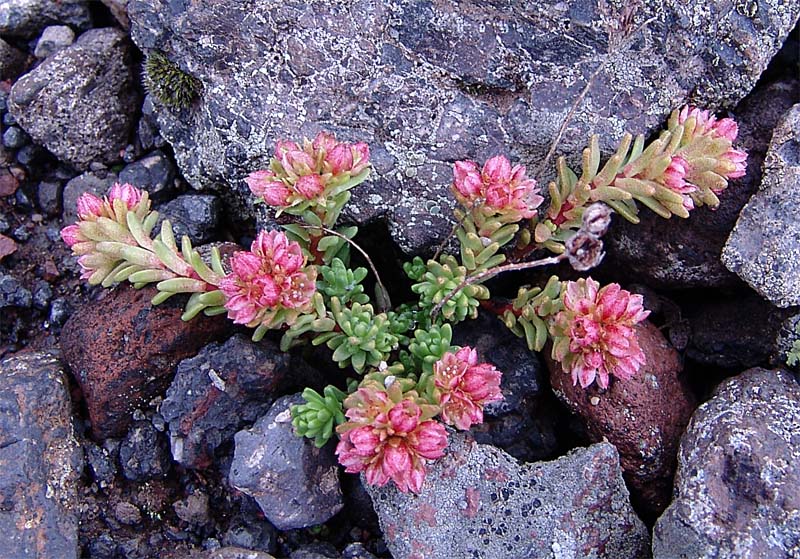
x: 464, y: 387
x: 733, y: 162
x: 389, y: 436
x: 90, y: 209
x: 272, y: 276
x: 498, y: 188
x: 299, y: 174
x: 593, y: 336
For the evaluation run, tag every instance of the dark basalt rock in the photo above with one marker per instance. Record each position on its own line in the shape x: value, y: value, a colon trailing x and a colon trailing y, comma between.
x: 40, y: 460
x: 524, y: 423
x: 217, y: 392
x: 80, y: 103
x: 295, y: 483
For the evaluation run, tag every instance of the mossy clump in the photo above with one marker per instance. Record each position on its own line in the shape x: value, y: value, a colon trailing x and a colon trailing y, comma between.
x: 168, y: 83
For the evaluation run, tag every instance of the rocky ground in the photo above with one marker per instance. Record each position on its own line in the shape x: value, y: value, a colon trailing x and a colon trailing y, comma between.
x: 127, y: 433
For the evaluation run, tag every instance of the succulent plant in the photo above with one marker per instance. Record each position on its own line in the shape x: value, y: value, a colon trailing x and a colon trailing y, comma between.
x: 363, y: 338
x: 440, y: 280
x: 319, y: 416
x: 343, y: 283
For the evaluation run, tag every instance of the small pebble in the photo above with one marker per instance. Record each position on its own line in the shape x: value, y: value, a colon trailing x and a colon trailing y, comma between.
x: 21, y: 234
x: 127, y: 513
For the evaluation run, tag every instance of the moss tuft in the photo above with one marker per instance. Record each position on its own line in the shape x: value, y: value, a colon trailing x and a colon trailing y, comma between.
x: 168, y: 83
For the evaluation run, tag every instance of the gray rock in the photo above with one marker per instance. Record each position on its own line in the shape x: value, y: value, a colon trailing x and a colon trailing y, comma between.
x: 733, y: 332
x: 40, y: 460
x: 356, y: 551
x: 14, y: 137
x: 101, y: 464
x: 737, y: 489
x: 295, y: 483
x: 42, y: 294
x: 477, y: 501
x: 681, y: 253
x: 193, y: 509
x: 319, y: 550
x: 524, y: 423
x: 217, y: 392
x: 153, y: 173
x: 81, y: 102
x: 234, y: 553
x: 764, y: 247
x: 195, y: 215
x: 119, y: 9
x: 127, y: 513
x: 251, y: 533
x: 94, y: 183
x: 48, y: 194
x: 143, y: 453
x: 12, y: 61
x: 428, y: 83
x: 25, y: 18
x: 53, y: 39
x: 59, y: 312
x: 13, y: 294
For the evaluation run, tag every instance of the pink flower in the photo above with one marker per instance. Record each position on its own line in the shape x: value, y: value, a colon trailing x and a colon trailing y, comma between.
x: 269, y: 277
x: 467, y: 180
x: 464, y: 387
x: 390, y: 436
x: 125, y: 192
x: 264, y: 184
x: 310, y: 186
x: 360, y: 153
x: 706, y: 123
x: 737, y: 159
x: 90, y: 207
x: 505, y: 190
x: 324, y: 141
x: 301, y: 174
x: 593, y: 337
x: 71, y: 235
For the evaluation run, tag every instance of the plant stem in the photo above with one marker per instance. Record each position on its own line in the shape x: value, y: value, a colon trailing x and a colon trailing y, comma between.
x: 486, y: 274
x: 384, y: 304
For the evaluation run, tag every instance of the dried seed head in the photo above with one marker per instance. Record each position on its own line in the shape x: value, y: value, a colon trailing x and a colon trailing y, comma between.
x: 584, y: 251
x: 596, y: 219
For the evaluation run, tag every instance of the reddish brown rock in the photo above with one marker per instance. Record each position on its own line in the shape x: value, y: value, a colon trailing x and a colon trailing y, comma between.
x: 643, y: 417
x: 7, y: 246
x: 123, y: 352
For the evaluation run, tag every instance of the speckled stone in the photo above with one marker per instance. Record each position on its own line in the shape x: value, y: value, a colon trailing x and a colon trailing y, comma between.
x: 764, y: 247
x: 80, y: 103
x: 40, y: 460
x: 295, y: 483
x: 428, y: 83
x: 477, y: 501
x: 737, y: 489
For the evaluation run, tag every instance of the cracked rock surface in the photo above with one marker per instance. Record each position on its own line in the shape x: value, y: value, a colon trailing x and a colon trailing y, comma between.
x: 428, y: 83
x: 737, y: 489
x: 477, y: 501
x: 40, y: 460
x: 764, y: 246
